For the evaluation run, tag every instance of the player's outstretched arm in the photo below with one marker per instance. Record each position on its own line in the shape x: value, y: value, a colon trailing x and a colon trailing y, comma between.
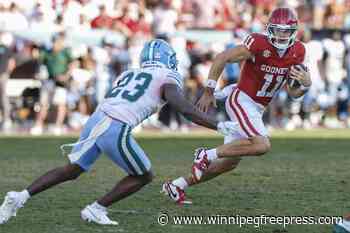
x: 233, y: 55
x: 175, y: 97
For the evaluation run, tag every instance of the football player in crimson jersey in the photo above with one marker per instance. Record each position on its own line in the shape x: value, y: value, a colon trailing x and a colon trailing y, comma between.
x: 267, y: 61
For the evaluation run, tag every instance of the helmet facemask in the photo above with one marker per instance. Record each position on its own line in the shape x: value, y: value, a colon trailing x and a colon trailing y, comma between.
x: 281, y: 36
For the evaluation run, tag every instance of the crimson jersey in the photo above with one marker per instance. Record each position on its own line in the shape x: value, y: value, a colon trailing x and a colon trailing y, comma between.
x: 264, y: 74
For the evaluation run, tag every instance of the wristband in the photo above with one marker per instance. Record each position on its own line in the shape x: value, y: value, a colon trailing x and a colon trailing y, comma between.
x: 210, y: 83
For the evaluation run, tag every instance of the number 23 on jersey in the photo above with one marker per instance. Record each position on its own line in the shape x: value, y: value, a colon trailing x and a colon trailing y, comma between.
x: 131, y: 87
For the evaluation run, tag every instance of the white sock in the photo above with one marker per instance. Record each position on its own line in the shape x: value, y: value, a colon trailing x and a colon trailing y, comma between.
x: 25, y: 195
x: 98, y: 206
x: 211, y: 154
x: 180, y: 182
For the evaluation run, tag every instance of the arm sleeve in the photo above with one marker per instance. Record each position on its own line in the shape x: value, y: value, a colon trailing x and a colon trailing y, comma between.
x: 174, y: 78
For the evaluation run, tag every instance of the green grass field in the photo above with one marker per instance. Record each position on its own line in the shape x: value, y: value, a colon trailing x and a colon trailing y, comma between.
x: 307, y: 173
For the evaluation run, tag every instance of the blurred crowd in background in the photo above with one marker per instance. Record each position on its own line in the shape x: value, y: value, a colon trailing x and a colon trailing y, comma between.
x: 68, y: 81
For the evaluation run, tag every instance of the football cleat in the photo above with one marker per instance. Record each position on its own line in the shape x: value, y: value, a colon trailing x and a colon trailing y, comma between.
x: 200, y: 163
x: 175, y: 193
x: 96, y: 215
x: 10, y: 206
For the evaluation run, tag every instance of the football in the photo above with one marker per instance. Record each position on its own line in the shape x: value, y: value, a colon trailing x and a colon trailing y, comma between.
x: 292, y: 82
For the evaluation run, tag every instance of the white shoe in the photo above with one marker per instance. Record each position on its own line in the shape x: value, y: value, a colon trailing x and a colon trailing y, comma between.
x: 175, y: 193
x: 96, y: 215
x: 57, y: 131
x: 9, y: 207
x: 36, y: 130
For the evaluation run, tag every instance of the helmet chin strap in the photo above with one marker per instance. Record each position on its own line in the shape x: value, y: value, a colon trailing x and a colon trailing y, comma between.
x: 282, y: 51
x: 282, y: 47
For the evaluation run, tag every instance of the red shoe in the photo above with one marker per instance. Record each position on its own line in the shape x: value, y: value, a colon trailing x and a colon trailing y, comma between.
x: 175, y: 193
x: 200, y: 163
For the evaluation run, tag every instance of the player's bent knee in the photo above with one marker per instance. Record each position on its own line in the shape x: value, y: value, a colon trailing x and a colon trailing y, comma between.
x: 149, y: 176
x: 262, y: 147
x: 146, y: 177
x: 72, y: 171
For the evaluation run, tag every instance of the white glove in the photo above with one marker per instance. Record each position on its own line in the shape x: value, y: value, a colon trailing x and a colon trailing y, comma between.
x: 227, y: 127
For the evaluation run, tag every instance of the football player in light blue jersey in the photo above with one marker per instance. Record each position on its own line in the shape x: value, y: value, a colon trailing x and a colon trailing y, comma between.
x: 137, y: 94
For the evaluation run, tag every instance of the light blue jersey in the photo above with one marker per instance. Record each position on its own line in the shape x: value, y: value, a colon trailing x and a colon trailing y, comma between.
x: 135, y: 96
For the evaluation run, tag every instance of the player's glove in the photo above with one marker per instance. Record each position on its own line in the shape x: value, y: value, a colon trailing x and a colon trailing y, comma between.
x: 227, y: 127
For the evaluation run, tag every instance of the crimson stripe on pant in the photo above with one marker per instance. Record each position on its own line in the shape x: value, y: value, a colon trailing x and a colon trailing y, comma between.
x: 245, y: 115
x: 231, y: 101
